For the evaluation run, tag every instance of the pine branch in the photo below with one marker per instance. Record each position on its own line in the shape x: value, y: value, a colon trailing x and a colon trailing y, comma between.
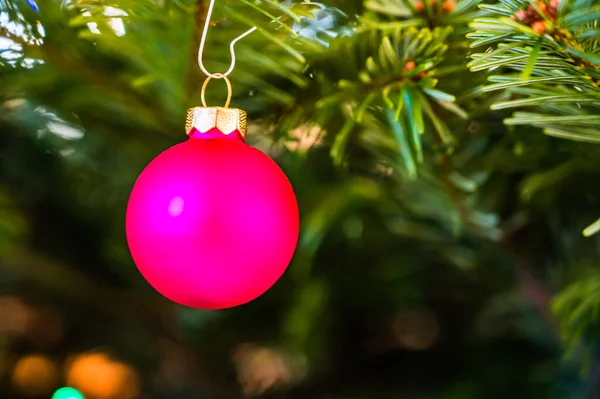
x: 553, y: 46
x: 549, y: 44
x: 425, y: 13
x: 395, y: 68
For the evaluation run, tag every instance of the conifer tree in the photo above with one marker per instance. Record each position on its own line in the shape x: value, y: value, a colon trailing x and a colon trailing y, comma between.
x: 444, y: 154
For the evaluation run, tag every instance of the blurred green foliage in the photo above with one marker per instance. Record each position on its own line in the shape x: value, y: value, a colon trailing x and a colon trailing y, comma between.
x: 441, y: 253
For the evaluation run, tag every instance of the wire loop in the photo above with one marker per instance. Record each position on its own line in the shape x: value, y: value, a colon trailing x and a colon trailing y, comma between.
x: 217, y: 76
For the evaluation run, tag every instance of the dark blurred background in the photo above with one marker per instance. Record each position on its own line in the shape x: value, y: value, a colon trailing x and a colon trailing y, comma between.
x: 465, y: 276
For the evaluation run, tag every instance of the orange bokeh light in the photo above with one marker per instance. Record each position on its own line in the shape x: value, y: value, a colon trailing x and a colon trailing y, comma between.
x: 35, y: 375
x: 98, y: 376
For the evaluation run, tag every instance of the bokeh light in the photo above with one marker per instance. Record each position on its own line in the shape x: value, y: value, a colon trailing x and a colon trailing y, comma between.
x: 16, y: 316
x: 260, y: 369
x: 98, y: 376
x: 68, y: 393
x: 41, y: 327
x: 415, y: 329
x: 35, y: 375
x: 45, y: 329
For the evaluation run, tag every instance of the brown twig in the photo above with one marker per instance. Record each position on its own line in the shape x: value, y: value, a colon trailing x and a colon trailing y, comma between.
x: 17, y: 39
x: 61, y: 279
x: 194, y: 79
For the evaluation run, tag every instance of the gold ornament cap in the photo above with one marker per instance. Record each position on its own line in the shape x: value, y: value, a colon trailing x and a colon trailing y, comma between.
x: 226, y: 120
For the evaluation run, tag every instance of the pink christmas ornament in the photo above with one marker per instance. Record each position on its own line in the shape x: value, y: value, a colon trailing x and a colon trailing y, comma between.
x: 212, y: 223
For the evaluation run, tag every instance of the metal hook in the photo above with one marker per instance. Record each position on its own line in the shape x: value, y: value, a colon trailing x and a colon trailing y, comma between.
x: 211, y: 5
x: 231, y: 46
